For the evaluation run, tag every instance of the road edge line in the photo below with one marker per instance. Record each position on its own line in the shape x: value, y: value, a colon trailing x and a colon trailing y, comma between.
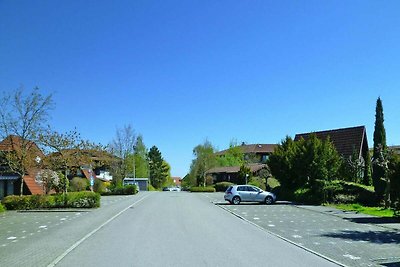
x: 80, y: 241
x: 283, y: 238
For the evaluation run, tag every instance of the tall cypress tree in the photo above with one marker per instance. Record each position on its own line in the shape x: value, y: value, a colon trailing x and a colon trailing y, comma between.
x: 378, y: 172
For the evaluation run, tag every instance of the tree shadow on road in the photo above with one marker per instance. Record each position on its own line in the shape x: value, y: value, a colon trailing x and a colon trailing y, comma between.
x: 374, y: 220
x: 377, y: 237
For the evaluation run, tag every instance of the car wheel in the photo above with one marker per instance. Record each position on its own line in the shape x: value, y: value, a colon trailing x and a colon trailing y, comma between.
x: 236, y: 200
x: 269, y: 200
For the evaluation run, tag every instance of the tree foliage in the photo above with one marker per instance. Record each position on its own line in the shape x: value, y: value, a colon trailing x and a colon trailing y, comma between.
x: 23, y: 115
x: 204, y: 160
x: 233, y: 157
x: 303, y: 163
x: 123, y: 146
x: 159, y: 171
x: 141, y: 162
x: 378, y: 171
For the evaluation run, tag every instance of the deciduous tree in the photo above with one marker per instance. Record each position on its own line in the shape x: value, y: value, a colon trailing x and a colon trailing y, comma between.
x: 23, y: 115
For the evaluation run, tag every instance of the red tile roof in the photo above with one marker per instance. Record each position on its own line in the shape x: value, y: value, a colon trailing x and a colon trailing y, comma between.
x: 345, y: 140
x: 33, y: 187
x: 14, y: 143
x: 253, y: 149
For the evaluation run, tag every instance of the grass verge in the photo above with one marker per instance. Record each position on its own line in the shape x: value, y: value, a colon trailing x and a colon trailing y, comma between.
x: 375, y: 211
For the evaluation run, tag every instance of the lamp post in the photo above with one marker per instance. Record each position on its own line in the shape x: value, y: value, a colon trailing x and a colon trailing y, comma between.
x: 247, y: 176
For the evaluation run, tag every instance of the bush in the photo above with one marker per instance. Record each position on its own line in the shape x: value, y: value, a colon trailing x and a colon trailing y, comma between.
x: 202, y: 189
x: 14, y: 202
x: 2, y: 209
x: 79, y: 184
x: 222, y: 186
x: 257, y: 181
x: 99, y: 186
x: 336, y: 191
x: 121, y: 190
x: 84, y: 199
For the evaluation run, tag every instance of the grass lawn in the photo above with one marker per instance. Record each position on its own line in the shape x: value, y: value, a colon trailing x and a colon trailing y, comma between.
x: 375, y: 211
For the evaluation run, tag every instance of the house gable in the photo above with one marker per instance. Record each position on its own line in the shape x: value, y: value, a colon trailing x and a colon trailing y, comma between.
x: 345, y: 140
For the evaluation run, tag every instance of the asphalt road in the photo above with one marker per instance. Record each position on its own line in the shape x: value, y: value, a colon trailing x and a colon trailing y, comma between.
x: 188, y: 229
x: 184, y: 229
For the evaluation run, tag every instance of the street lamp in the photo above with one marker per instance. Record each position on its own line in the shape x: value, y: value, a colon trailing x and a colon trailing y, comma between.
x: 247, y: 176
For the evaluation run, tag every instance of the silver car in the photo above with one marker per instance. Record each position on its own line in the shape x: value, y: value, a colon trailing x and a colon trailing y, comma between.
x: 248, y: 193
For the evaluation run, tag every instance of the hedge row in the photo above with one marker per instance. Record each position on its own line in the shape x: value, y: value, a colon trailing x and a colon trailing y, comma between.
x: 121, y: 190
x: 2, y: 209
x: 339, y: 192
x: 222, y: 186
x: 202, y: 189
x: 84, y: 199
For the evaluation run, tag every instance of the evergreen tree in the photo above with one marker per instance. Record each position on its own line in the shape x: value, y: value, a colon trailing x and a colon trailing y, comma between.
x: 158, y: 170
x: 367, y: 179
x: 378, y: 172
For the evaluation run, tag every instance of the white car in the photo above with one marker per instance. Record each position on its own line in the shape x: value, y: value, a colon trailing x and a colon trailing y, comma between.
x: 248, y: 193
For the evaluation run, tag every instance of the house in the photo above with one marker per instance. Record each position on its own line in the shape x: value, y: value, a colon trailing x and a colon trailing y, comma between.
x: 231, y: 174
x: 258, y: 153
x: 10, y: 182
x: 177, y: 181
x: 347, y: 141
x: 98, y: 169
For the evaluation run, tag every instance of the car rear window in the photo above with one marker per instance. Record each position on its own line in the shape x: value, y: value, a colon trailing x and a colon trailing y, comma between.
x: 229, y: 189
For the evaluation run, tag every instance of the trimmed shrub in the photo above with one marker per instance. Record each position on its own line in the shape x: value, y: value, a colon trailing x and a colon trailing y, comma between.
x: 121, y: 190
x: 14, y: 202
x: 85, y: 199
x: 2, y: 209
x: 222, y: 186
x: 202, y: 189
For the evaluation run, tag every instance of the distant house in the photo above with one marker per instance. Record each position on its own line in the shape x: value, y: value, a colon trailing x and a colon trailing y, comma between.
x: 10, y: 182
x: 255, y: 154
x: 230, y: 174
x: 98, y: 170
x: 347, y: 141
x: 259, y: 152
x: 177, y: 181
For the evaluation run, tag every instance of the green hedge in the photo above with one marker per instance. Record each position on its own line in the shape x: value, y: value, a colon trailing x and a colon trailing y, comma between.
x: 2, y: 209
x: 121, y: 190
x: 202, y: 189
x: 339, y: 192
x: 84, y: 199
x: 222, y: 186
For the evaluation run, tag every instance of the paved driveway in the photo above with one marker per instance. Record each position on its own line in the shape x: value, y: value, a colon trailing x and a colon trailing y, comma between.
x: 346, y: 237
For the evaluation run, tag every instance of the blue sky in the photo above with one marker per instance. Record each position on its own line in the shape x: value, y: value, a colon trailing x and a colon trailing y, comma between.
x: 181, y: 72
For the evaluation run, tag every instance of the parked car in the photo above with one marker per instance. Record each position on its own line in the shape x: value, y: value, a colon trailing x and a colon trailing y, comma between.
x: 248, y: 193
x: 176, y: 189
x: 167, y: 189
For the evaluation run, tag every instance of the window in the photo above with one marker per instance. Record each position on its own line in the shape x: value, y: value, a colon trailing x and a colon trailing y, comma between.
x: 251, y: 189
x: 241, y: 188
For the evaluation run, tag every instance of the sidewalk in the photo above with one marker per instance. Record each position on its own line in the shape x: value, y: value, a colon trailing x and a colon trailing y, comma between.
x: 390, y: 223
